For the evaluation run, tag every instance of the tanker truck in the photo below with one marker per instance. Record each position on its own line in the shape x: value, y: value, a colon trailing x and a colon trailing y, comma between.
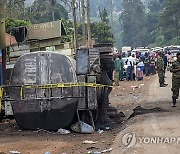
x: 48, y: 90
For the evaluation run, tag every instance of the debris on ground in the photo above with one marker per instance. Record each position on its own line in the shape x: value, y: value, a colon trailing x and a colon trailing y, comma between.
x: 142, y: 84
x: 135, y: 97
x: 63, y: 131
x: 100, y: 131
x: 99, y: 152
x: 15, y: 152
x: 91, y: 148
x: 94, y: 152
x: 82, y: 127
x: 107, y: 150
x: 107, y: 128
x: 89, y: 142
x: 133, y: 87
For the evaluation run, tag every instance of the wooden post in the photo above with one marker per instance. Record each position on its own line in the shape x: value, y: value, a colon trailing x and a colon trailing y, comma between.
x: 3, y: 39
x: 83, y: 22
x: 89, y: 24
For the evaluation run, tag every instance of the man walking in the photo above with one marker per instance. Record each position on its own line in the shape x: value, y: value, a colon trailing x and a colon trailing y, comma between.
x: 160, y: 69
x: 175, y: 69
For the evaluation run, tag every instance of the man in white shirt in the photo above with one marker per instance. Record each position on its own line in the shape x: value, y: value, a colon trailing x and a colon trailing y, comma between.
x: 130, y: 69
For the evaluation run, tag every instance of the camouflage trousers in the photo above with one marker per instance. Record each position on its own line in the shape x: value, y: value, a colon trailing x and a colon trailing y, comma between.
x: 116, y: 78
x: 175, y: 87
x: 161, y: 76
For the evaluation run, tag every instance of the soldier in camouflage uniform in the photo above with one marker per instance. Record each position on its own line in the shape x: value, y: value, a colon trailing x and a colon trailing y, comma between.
x: 160, y: 70
x: 175, y: 69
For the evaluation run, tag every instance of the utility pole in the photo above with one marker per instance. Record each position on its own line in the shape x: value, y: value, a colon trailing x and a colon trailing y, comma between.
x: 75, y: 24
x: 52, y: 7
x: 83, y: 22
x: 112, y: 20
x: 89, y: 24
x: 2, y: 41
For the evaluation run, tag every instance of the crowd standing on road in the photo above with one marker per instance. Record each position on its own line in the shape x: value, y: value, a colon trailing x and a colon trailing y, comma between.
x: 135, y: 66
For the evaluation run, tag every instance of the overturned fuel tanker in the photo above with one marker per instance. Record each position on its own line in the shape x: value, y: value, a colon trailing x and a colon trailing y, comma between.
x: 48, y: 90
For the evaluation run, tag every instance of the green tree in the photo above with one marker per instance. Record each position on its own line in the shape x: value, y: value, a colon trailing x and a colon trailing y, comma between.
x: 101, y: 32
x: 11, y: 23
x: 40, y: 11
x: 152, y: 20
x: 133, y: 24
x: 103, y: 15
x: 170, y: 21
x: 52, y: 4
x: 15, y: 8
x: 156, y: 6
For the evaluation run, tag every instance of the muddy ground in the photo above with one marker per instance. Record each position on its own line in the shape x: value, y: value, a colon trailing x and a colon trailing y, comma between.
x: 125, y: 97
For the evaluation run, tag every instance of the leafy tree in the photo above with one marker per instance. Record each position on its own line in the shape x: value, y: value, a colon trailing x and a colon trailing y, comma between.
x: 52, y: 4
x: 12, y: 23
x: 101, y: 32
x: 40, y: 11
x: 15, y: 8
x: 156, y: 6
x: 170, y: 21
x: 95, y: 4
x: 152, y: 20
x: 103, y: 15
x: 133, y: 23
x: 68, y: 25
x: 163, y: 22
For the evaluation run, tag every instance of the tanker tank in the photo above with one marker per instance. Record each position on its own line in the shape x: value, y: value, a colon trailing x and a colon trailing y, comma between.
x: 43, y: 108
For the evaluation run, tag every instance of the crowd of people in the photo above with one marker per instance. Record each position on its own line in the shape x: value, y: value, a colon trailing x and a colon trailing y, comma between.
x: 135, y: 66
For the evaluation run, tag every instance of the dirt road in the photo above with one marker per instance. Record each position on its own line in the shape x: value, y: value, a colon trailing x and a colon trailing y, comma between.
x: 154, y: 132
x: 126, y: 97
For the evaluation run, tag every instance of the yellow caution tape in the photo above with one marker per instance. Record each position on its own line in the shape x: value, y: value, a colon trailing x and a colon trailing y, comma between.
x: 49, y: 86
x: 61, y: 85
x: 21, y: 92
x: 66, y: 85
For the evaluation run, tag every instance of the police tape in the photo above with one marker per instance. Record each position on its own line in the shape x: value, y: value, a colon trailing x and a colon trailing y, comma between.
x: 66, y: 85
x: 50, y: 86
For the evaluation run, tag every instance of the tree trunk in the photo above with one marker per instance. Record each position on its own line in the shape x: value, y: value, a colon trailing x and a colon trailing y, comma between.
x: 75, y: 24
